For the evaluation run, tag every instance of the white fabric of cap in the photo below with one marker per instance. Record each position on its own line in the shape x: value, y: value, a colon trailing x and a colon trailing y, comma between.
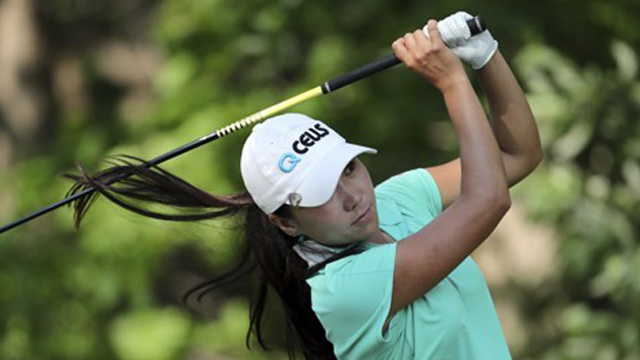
x: 294, y: 154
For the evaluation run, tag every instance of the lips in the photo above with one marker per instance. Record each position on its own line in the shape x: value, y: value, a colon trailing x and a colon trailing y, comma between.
x: 362, y: 216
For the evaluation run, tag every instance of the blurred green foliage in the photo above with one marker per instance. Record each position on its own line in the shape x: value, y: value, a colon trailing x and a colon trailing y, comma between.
x: 588, y: 191
x: 111, y: 290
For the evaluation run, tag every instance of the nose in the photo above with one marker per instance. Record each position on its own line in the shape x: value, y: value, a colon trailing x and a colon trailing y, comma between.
x: 350, y: 196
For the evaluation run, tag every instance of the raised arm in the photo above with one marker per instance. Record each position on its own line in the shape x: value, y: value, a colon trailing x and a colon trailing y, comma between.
x: 511, y: 119
x: 428, y: 256
x: 513, y: 125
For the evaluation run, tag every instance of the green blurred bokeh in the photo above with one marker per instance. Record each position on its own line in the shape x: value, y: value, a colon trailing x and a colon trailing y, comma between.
x: 143, y: 77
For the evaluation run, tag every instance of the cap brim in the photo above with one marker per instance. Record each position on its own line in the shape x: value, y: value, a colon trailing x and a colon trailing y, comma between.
x: 321, y: 182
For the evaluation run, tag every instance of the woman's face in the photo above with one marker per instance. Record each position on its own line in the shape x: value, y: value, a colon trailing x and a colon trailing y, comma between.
x: 349, y: 216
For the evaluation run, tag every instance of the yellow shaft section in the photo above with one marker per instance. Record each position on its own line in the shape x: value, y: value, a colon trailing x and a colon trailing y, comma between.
x: 270, y: 111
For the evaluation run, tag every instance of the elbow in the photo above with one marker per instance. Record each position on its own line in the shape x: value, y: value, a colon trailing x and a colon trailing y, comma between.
x: 529, y: 162
x: 499, y: 202
x: 535, y: 154
x: 503, y: 203
x: 536, y: 157
x: 495, y: 203
x: 497, y: 207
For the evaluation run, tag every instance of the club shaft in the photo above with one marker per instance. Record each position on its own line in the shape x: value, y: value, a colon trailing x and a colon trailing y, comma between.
x: 476, y: 26
x: 244, y: 122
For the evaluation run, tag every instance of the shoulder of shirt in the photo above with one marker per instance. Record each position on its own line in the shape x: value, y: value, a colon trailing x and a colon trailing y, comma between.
x: 403, y: 176
x: 348, y: 263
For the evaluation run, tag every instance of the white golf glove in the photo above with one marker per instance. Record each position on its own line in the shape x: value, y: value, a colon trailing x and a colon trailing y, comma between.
x: 474, y: 50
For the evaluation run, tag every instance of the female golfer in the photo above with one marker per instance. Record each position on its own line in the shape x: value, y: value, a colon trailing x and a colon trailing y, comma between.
x: 364, y: 272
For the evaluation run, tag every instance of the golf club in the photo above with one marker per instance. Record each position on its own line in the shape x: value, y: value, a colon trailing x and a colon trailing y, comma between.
x: 476, y: 26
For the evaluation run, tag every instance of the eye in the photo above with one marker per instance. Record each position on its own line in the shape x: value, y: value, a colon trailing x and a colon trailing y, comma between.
x: 349, y: 168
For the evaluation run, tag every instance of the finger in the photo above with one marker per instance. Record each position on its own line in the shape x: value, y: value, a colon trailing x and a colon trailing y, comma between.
x: 447, y: 31
x: 421, y: 39
x: 410, y: 42
x: 400, y: 41
x: 434, y: 34
x: 400, y: 49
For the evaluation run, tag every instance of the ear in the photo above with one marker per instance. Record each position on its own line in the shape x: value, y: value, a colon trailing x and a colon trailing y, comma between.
x: 288, y: 226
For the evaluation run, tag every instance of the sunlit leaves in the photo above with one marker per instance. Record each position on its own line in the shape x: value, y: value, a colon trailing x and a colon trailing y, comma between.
x: 101, y: 292
x: 152, y: 334
x: 588, y: 191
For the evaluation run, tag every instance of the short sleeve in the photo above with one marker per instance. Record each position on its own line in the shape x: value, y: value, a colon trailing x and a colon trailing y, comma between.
x: 352, y: 299
x: 415, y: 190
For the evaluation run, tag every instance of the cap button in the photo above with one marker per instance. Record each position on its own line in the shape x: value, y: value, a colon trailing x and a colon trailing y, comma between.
x: 295, y: 199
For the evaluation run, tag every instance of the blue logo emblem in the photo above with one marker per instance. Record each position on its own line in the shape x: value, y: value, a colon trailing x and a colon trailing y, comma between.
x: 288, y: 162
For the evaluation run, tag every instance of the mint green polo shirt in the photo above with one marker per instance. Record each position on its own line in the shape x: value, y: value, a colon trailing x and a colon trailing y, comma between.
x: 455, y: 320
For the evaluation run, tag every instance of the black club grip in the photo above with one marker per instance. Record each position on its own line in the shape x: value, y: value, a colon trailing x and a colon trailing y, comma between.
x: 360, y: 73
x: 476, y: 26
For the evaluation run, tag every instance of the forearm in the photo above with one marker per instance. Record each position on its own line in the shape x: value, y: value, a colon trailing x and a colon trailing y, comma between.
x: 512, y: 121
x: 429, y: 255
x: 482, y: 167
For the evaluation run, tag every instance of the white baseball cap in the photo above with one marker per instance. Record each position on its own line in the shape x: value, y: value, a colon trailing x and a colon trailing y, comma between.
x: 295, y: 160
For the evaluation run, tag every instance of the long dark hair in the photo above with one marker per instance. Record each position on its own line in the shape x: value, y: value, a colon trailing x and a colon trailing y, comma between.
x: 268, y: 252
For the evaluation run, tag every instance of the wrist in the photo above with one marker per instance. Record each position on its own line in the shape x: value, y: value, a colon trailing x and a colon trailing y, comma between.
x: 454, y: 84
x: 495, y: 65
x: 489, y: 49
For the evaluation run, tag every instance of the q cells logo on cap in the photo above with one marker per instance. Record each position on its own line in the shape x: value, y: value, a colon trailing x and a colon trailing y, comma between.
x: 303, y: 143
x: 309, y: 138
x: 288, y: 162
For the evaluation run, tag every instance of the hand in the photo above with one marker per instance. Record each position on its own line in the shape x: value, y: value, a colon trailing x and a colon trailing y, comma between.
x: 430, y: 57
x: 474, y: 50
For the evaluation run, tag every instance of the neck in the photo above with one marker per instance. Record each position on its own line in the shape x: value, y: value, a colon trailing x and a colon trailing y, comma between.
x: 382, y: 237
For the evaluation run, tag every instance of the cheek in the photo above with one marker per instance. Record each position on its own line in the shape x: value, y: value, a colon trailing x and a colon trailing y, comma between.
x: 325, y: 221
x: 323, y: 224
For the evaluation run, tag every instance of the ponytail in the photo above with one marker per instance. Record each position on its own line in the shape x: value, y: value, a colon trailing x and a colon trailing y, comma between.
x: 133, y: 183
x: 149, y: 183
